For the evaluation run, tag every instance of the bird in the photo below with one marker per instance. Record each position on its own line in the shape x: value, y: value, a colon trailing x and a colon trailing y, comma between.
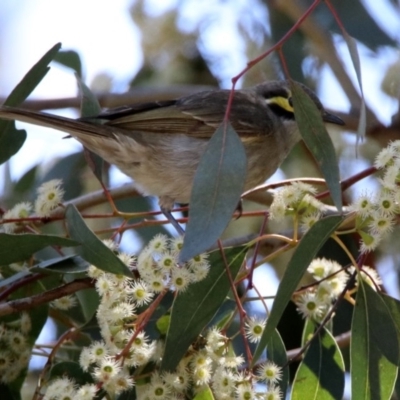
x: 159, y: 144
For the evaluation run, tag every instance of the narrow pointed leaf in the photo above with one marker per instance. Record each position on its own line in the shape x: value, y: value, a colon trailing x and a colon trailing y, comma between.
x: 218, y: 185
x: 93, y: 250
x: 304, y: 254
x: 320, y: 375
x: 276, y: 352
x: 374, y: 348
x: 90, y: 106
x: 70, y: 59
x: 193, y: 309
x: 393, y: 306
x: 32, y: 78
x: 317, y: 139
x: 12, y: 139
x: 14, y: 248
x: 355, y: 59
x: 62, y: 265
x: 204, y: 394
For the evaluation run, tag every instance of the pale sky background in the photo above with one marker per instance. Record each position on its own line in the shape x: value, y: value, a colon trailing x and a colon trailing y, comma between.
x: 102, y: 30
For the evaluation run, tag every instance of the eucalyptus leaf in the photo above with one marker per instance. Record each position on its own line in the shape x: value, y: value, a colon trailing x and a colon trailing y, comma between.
x: 62, y: 265
x: 320, y: 375
x: 12, y: 139
x: 90, y: 107
x: 93, y: 250
x: 14, y: 248
x: 204, y: 394
x: 193, y: 309
x: 355, y: 59
x: 301, y: 259
x: 217, y: 187
x: 317, y: 140
x: 374, y: 347
x: 276, y: 352
x: 70, y: 59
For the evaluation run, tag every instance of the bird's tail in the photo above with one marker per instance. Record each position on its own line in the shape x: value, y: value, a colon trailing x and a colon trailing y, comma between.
x: 75, y: 128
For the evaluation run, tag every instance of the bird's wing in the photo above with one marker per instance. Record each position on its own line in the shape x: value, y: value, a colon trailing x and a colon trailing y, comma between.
x: 197, y: 115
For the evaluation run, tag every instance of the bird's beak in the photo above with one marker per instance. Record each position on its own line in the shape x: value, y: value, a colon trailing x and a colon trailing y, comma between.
x: 328, y: 117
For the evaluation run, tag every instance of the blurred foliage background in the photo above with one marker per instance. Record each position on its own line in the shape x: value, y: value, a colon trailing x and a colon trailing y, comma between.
x: 190, y: 45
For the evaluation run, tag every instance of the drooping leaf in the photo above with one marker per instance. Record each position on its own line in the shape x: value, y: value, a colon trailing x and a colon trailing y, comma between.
x: 303, y: 255
x: 317, y: 139
x: 92, y: 249
x: 14, y: 248
x: 393, y: 306
x: 218, y: 185
x: 356, y: 20
x: 320, y: 375
x: 193, y: 309
x: 355, y: 59
x: 12, y: 139
x: 32, y: 78
x: 25, y: 184
x: 62, y: 265
x: 276, y: 352
x: 70, y: 59
x: 90, y: 106
x: 374, y: 347
x: 204, y: 394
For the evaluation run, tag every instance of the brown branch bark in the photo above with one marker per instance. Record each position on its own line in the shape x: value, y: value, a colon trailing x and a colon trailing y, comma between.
x: 28, y: 303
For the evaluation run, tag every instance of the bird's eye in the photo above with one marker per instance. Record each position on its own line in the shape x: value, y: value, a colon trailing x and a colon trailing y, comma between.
x: 290, y: 101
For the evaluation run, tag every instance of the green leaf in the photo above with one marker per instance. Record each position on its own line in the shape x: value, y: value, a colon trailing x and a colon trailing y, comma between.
x: 355, y: 59
x: 320, y: 375
x: 90, y: 107
x: 32, y: 78
x: 374, y: 347
x: 193, y: 309
x: 25, y: 184
x: 357, y: 21
x: 62, y: 265
x: 70, y: 59
x: 204, y: 394
x: 393, y: 306
x: 12, y: 139
x: 302, y: 257
x: 317, y: 139
x: 89, y: 301
x: 14, y: 248
x: 217, y: 187
x: 93, y: 250
x: 276, y: 352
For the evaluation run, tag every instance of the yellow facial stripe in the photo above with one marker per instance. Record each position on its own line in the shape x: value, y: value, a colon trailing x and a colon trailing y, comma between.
x: 282, y: 102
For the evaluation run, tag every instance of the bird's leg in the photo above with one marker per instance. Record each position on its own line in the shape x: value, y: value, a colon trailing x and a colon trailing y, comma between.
x: 172, y: 220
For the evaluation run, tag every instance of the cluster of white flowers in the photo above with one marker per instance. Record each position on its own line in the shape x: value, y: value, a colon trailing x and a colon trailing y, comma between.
x: 211, y: 361
x: 50, y: 195
x: 15, y: 349
x: 120, y: 297
x: 316, y: 302
x: 159, y: 269
x: 297, y: 200
x: 213, y: 364
x: 375, y: 215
